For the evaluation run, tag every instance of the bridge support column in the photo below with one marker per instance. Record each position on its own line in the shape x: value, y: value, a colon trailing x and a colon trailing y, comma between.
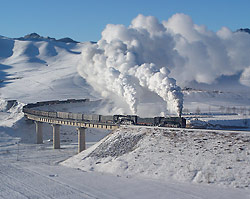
x: 39, y: 132
x: 56, y: 136
x: 81, y: 139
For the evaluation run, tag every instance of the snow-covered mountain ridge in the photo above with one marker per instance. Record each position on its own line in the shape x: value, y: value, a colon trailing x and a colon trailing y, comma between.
x: 37, y: 37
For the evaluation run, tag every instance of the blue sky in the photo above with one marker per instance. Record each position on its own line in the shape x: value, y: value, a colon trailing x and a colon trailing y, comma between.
x: 84, y: 20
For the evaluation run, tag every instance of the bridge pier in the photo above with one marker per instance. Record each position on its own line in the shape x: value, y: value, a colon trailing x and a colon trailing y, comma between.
x: 56, y: 136
x: 39, y: 132
x: 81, y: 139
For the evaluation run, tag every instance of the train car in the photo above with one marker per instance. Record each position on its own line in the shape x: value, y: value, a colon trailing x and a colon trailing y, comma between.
x: 79, y: 116
x: 83, y: 100
x: 96, y: 118
x: 76, y: 116
x: 145, y: 121
x: 125, y: 119
x: 87, y: 117
x: 91, y: 117
x: 176, y: 122
x: 42, y: 113
x: 36, y: 112
x: 72, y: 116
x: 52, y: 114
x: 107, y: 118
x: 71, y: 100
x: 63, y: 115
x: 54, y: 102
x: 26, y: 109
x: 30, y: 106
x: 43, y: 103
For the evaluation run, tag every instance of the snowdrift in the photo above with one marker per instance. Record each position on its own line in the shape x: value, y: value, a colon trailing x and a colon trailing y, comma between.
x: 209, y: 157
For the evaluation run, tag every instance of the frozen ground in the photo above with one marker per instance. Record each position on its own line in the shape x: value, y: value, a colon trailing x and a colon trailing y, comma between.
x: 52, y: 181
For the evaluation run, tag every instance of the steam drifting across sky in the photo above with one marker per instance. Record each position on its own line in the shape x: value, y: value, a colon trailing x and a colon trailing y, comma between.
x: 153, y: 56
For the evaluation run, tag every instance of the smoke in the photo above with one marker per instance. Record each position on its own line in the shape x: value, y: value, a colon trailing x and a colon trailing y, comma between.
x: 151, y: 56
x: 158, y: 81
x: 208, y: 55
x: 245, y: 77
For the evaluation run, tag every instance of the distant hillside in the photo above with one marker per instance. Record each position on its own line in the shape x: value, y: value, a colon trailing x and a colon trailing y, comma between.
x: 34, y: 68
x: 37, y: 37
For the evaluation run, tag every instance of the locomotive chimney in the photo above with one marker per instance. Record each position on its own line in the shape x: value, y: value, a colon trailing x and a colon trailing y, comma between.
x: 179, y: 114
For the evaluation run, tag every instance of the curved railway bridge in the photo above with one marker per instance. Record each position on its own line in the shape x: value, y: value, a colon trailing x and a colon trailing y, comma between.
x: 40, y: 115
x: 56, y: 119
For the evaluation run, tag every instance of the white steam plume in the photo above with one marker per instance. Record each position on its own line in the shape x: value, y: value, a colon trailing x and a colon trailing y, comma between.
x: 127, y: 59
x: 152, y: 55
x: 245, y: 77
x: 207, y: 54
x: 159, y: 82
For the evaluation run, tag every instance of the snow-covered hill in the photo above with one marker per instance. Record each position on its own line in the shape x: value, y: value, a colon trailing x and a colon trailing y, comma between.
x: 212, y: 157
x: 42, y: 69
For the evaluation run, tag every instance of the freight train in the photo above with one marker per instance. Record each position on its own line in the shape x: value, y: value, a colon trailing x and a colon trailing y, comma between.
x: 111, y: 119
x: 104, y: 119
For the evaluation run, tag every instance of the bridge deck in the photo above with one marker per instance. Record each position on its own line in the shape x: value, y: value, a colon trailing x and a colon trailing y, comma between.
x: 69, y: 122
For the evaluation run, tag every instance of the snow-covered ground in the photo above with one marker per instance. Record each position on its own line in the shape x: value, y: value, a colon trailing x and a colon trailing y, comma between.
x: 143, y: 163
x: 210, y: 157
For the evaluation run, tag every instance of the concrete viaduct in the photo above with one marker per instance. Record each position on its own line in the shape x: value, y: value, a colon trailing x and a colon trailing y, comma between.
x: 32, y: 112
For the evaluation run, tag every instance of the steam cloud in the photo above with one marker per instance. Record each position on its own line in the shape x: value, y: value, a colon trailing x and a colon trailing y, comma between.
x: 153, y: 56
